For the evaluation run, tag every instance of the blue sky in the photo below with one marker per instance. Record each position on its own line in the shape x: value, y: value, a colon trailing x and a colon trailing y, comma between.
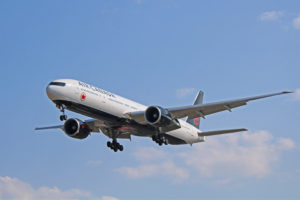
x: 157, y: 53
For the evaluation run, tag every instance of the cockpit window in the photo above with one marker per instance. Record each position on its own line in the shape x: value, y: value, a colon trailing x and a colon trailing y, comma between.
x: 58, y: 84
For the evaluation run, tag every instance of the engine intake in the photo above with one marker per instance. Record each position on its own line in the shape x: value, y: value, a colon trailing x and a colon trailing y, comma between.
x: 76, y: 128
x: 157, y: 116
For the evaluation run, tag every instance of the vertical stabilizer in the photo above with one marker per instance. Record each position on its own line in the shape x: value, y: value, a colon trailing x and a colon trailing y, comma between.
x: 198, y: 100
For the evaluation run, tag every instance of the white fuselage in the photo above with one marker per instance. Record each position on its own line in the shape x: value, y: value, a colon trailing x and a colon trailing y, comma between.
x: 83, y: 94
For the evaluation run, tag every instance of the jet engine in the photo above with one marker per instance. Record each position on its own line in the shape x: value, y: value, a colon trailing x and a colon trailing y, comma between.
x: 76, y: 128
x: 157, y: 116
x: 160, y: 117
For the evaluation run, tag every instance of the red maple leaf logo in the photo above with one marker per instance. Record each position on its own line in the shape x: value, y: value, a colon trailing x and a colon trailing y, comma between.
x: 83, y: 96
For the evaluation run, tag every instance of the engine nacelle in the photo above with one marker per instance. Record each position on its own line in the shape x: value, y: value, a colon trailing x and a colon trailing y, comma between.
x: 157, y: 116
x: 76, y: 128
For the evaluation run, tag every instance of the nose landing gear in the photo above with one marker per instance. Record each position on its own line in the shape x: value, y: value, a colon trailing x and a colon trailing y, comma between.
x: 62, y: 110
x: 115, y: 146
x: 160, y: 139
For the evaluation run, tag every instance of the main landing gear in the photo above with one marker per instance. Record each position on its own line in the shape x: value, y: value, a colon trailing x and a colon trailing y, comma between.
x: 115, y: 146
x: 62, y: 110
x: 159, y: 139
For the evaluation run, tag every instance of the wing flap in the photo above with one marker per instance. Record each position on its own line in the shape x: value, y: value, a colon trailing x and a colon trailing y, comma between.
x: 219, y: 132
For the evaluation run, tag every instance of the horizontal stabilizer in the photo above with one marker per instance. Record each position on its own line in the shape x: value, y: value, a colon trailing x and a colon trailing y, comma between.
x: 49, y: 127
x: 219, y: 132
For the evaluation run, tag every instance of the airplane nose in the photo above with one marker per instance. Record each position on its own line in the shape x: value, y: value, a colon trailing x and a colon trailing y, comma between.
x: 50, y: 92
x: 56, y: 90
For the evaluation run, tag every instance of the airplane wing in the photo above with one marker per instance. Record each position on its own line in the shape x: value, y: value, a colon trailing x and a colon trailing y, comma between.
x: 96, y: 125
x: 210, y: 108
x: 50, y: 127
x: 194, y: 111
x: 93, y: 124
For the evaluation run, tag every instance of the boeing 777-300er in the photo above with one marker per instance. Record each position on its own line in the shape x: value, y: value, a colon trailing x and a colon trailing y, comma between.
x: 118, y: 117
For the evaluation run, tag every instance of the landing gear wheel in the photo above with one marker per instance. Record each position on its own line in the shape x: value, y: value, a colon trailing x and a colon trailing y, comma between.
x: 154, y: 137
x: 62, y: 110
x: 160, y: 139
x: 108, y: 144
x: 115, y: 146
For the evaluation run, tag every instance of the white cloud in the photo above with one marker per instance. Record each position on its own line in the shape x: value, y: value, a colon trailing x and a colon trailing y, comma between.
x: 276, y: 15
x: 13, y: 188
x: 149, y: 154
x: 240, y: 155
x: 296, y: 22
x: 271, y: 15
x: 296, y: 95
x: 285, y: 144
x: 221, y: 159
x: 167, y: 168
x: 109, y: 198
x: 151, y: 165
x: 183, y: 92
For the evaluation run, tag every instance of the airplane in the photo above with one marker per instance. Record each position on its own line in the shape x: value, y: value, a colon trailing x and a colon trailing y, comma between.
x: 120, y: 118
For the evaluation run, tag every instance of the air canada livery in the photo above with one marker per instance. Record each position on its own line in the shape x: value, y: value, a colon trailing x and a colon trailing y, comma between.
x: 120, y: 118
